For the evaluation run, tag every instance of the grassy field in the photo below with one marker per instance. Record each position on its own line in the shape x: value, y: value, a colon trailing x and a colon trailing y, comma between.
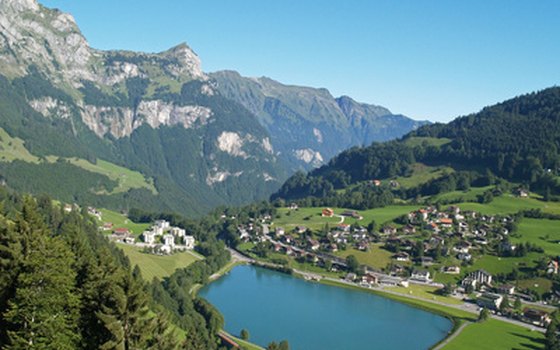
x: 511, y: 204
x: 542, y: 232
x: 121, y: 221
x: 494, y: 264
x: 126, y: 178
x: 12, y: 148
x: 540, y: 285
x: 496, y: 335
x: 425, y: 292
x: 375, y: 257
x: 311, y: 217
x: 421, y: 174
x: 464, y: 196
x: 156, y: 265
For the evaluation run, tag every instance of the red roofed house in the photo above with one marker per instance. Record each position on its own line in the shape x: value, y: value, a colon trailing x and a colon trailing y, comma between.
x: 327, y: 212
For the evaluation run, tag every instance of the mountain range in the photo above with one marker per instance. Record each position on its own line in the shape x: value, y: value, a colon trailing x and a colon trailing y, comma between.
x: 192, y: 140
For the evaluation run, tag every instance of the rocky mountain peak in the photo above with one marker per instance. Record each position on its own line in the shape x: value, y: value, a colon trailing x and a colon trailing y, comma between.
x: 188, y: 61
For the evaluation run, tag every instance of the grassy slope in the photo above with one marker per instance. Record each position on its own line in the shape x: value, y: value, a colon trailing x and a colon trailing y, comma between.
x: 511, y: 204
x: 542, y: 232
x: 433, y: 141
x: 126, y: 178
x: 421, y: 174
x: 12, y: 148
x: 120, y: 221
x: 375, y: 257
x: 155, y: 265
x: 495, y: 335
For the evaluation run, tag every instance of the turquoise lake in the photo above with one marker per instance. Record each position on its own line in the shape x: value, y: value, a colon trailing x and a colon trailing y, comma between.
x: 273, y: 306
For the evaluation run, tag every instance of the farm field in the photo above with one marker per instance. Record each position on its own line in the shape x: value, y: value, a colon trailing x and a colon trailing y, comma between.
x: 12, y: 148
x: 495, y: 265
x: 121, y: 221
x: 496, y: 335
x: 155, y: 265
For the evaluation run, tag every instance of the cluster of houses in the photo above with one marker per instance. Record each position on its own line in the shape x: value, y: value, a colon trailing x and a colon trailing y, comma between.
x: 164, y: 238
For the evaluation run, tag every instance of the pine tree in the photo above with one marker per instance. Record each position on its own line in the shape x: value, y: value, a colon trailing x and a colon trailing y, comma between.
x: 162, y: 336
x: 44, y: 311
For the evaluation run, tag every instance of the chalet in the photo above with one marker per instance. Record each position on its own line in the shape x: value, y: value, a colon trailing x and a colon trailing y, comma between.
x: 163, y: 249
x: 390, y: 281
x: 350, y: 277
x: 422, y: 214
x: 280, y: 232
x: 396, y: 270
x: 481, y: 241
x: 506, y: 246
x: 300, y: 229
x: 376, y: 183
x: 108, y: 226
x: 421, y: 275
x: 490, y: 301
x: 294, y: 206
x: 394, y: 183
x: 432, y: 226
x: 129, y: 239
x: 409, y: 229
x: 189, y: 242
x: 343, y: 227
x: 521, y: 192
x: 363, y: 246
x: 552, y: 267
x: 327, y: 212
x: 536, y: 317
x: 462, y: 247
x: 452, y: 270
x: 454, y: 209
x: 402, y: 256
x: 446, y: 222
x: 389, y: 230
x: 332, y: 247
x: 426, y: 261
x: 506, y: 289
x: 464, y: 256
x: 313, y: 244
x: 289, y: 251
x: 243, y: 234
x: 94, y: 212
x: 277, y: 247
x: 370, y: 279
x: 288, y: 239
x: 121, y: 231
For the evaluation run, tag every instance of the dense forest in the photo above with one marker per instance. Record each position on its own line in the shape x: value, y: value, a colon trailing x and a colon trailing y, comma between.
x: 517, y: 140
x: 64, y: 286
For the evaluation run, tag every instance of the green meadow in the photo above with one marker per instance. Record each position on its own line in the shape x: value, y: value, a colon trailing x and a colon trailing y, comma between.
x: 159, y: 266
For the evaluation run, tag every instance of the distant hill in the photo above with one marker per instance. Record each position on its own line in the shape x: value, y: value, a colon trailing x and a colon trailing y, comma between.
x: 517, y: 140
x: 309, y: 126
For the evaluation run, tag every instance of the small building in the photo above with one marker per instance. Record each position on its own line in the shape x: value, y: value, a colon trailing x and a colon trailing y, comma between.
x: 468, y: 283
x: 490, y: 301
x: 376, y: 183
x: 280, y: 231
x: 452, y: 270
x: 506, y: 289
x: 121, y: 231
x: 350, y: 277
x: 300, y: 229
x: 536, y: 317
x: 464, y: 256
x: 426, y: 261
x: 402, y: 256
x: 446, y: 222
x: 108, y: 226
x: 313, y: 244
x: 521, y: 192
x: 421, y: 275
x: 552, y: 267
x: 389, y: 230
x: 327, y: 212
x: 294, y: 206
x: 409, y: 229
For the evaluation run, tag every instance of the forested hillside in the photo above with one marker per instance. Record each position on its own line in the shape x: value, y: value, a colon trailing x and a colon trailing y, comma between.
x: 517, y: 140
x: 64, y: 286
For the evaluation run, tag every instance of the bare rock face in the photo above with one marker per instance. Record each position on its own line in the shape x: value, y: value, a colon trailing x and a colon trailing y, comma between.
x: 122, y: 121
x: 51, y: 108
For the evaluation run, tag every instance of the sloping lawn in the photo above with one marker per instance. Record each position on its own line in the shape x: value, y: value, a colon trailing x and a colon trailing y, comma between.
x: 496, y: 335
x: 375, y: 257
x: 155, y: 265
x: 542, y: 232
x: 121, y: 221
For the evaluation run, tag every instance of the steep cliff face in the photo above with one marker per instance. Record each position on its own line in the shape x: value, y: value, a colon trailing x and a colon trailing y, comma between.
x: 309, y: 126
x: 157, y: 113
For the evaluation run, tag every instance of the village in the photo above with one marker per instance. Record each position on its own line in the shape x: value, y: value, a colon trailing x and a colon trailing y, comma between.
x: 423, y: 243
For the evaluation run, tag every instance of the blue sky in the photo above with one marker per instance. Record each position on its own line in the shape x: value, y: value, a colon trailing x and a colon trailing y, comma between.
x: 426, y: 59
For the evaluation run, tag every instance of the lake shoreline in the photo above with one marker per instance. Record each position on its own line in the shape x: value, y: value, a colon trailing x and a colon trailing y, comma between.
x: 455, y: 321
